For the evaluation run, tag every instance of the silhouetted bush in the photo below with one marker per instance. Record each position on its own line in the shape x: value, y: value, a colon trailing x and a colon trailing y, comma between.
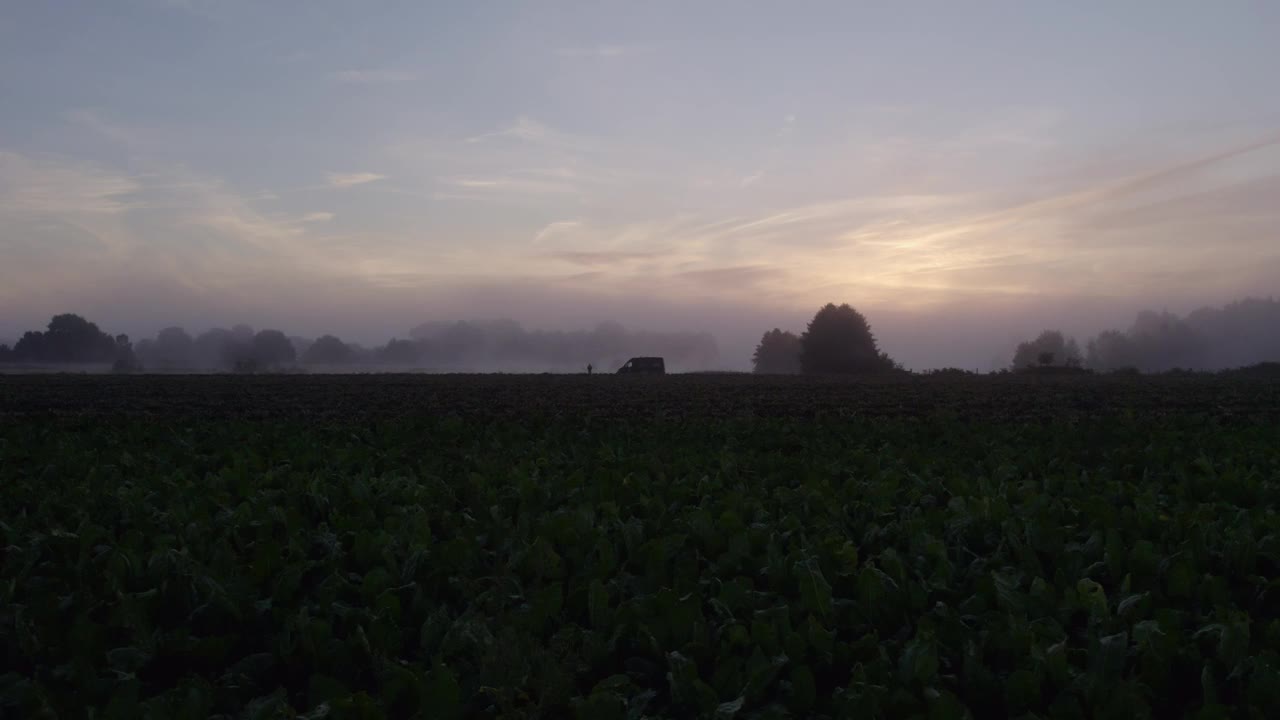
x: 1052, y: 370
x: 950, y: 372
x: 1261, y: 370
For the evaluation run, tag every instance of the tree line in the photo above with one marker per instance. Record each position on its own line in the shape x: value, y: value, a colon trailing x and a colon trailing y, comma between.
x: 71, y: 339
x: 482, y: 346
x: 839, y: 341
x: 1242, y: 333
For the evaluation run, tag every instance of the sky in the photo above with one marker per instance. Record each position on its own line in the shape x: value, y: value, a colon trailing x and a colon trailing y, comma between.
x: 964, y: 173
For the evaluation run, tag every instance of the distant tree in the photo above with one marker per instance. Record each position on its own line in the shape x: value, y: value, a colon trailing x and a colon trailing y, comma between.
x: 1111, y: 350
x: 173, y: 349
x: 360, y: 355
x: 1166, y: 342
x: 216, y: 349
x: 328, y: 350
x: 126, y: 360
x: 777, y: 354
x: 301, y: 345
x: 1060, y: 350
x: 398, y: 352
x: 236, y: 346
x: 144, y: 349
x: 1242, y: 333
x: 1209, y: 338
x: 6, y: 354
x: 839, y: 341
x: 271, y: 349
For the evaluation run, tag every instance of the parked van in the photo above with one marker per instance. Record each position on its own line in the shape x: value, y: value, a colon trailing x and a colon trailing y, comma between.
x: 644, y: 366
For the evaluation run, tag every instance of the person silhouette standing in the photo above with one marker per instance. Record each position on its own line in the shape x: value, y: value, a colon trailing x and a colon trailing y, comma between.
x: 588, y: 368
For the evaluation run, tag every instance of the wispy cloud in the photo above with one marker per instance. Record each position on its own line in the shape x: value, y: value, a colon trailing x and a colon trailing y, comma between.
x: 788, y: 126
x: 55, y: 206
x: 1123, y: 234
x: 735, y: 277
x: 201, y: 8
x: 557, y: 146
x: 343, y: 180
x: 60, y: 215
x: 383, y: 76
x: 466, y: 197
x: 602, y: 51
x: 899, y: 241
x: 510, y: 185
x: 599, y: 258
x: 54, y: 186
x: 524, y: 128
x: 556, y: 228
x: 145, y: 140
x: 479, y: 183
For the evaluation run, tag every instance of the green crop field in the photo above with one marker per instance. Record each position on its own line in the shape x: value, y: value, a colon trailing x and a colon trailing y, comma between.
x: 608, y: 547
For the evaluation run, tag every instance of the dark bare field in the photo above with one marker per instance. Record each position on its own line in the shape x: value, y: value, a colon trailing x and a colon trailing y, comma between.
x: 695, y: 396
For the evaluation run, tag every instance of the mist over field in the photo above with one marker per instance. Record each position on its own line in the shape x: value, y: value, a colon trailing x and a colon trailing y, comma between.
x: 714, y: 338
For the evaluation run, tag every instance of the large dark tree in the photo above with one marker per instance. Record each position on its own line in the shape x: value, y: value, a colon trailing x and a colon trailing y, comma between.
x: 838, y: 340
x: 68, y: 339
x: 777, y: 354
x: 328, y: 350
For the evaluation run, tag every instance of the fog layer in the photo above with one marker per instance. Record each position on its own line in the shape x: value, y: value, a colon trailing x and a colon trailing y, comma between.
x: 532, y: 329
